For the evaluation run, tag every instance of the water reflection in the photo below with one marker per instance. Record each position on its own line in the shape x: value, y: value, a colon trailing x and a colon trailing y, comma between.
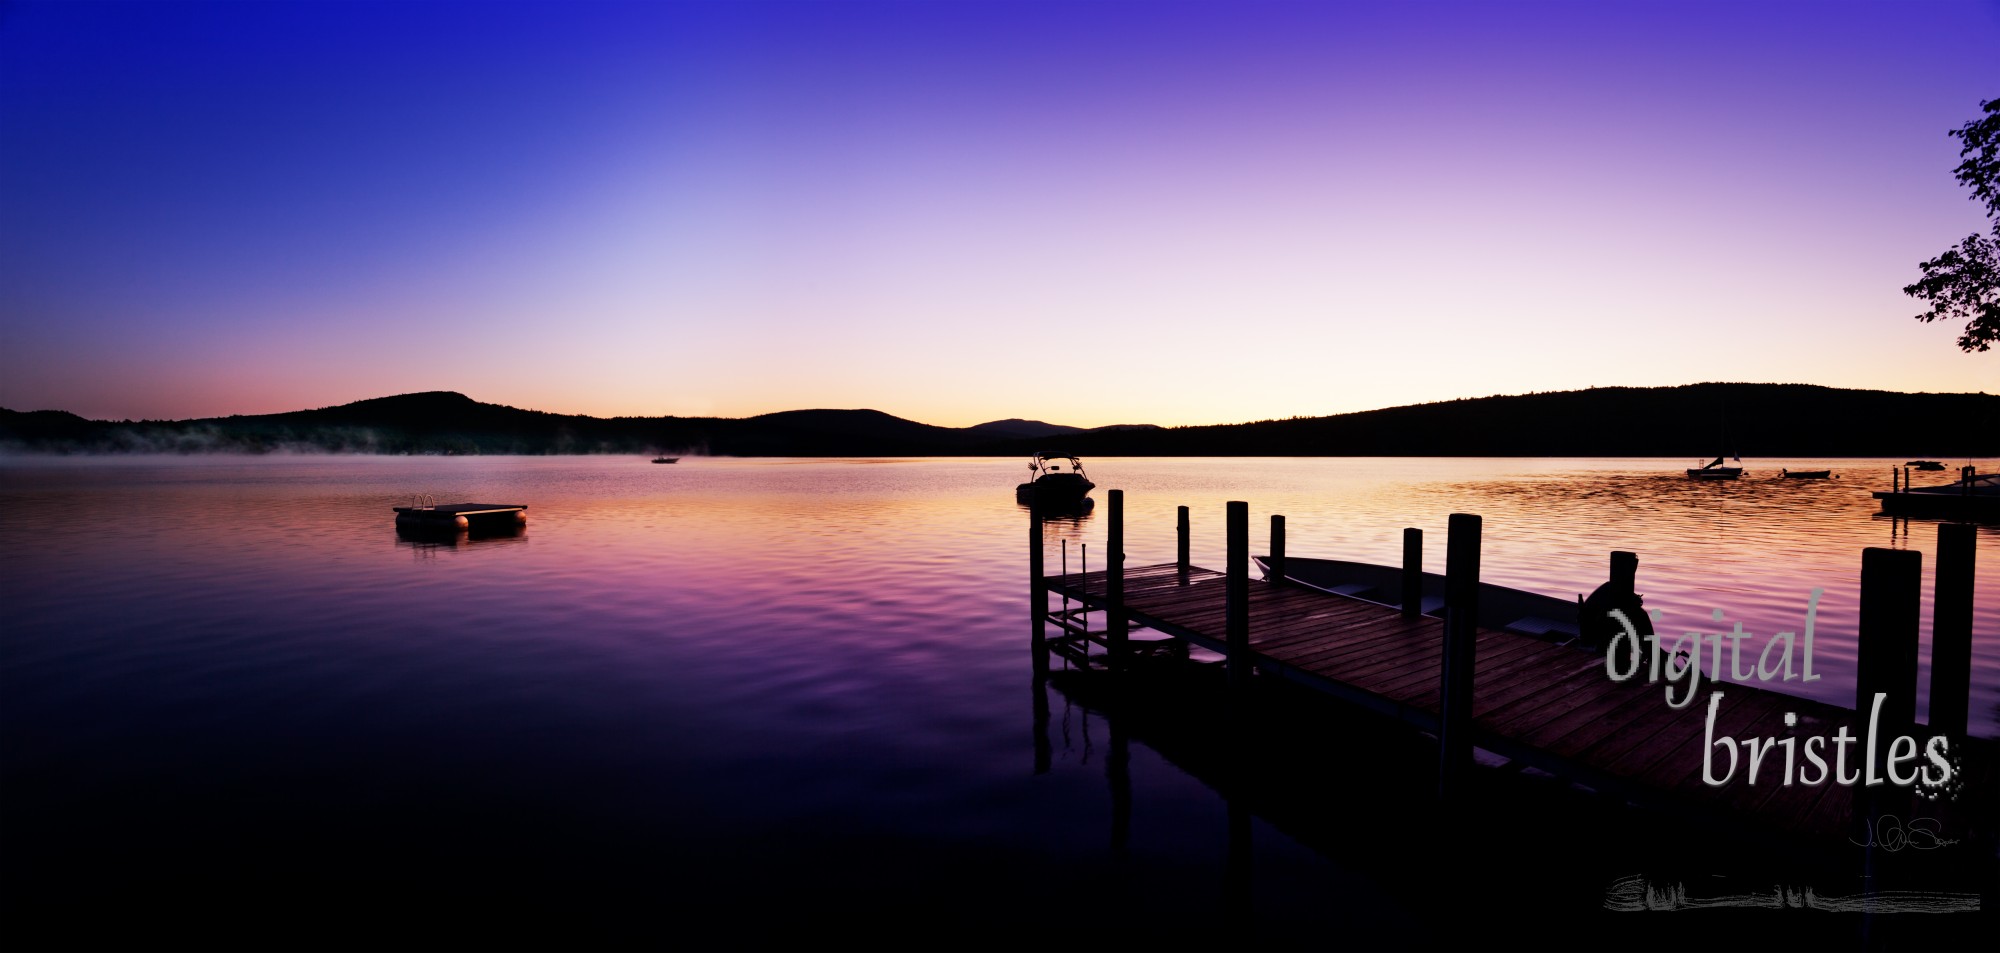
x: 424, y: 539
x: 765, y: 670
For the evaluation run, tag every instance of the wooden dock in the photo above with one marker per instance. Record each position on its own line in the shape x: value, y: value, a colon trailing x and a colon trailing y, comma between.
x: 1543, y: 704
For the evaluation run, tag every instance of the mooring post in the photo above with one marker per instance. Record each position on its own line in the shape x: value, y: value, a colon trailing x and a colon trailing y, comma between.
x: 1625, y: 569
x: 1236, y: 599
x: 1038, y: 599
x: 1894, y: 486
x: 1951, y: 631
x: 1886, y: 647
x: 1413, y: 572
x: 1277, y: 548
x: 1182, y: 548
x: 1885, y: 664
x: 1116, y: 626
x: 1461, y: 619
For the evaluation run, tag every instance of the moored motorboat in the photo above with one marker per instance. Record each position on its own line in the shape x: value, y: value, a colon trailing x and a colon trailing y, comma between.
x: 1805, y: 474
x: 1052, y: 486
x: 666, y: 459
x: 1924, y: 465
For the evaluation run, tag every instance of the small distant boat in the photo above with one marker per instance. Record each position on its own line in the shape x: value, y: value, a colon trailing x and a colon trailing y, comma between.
x: 1051, y: 485
x: 666, y: 459
x: 1714, y: 470
x: 1805, y: 474
x: 1924, y: 465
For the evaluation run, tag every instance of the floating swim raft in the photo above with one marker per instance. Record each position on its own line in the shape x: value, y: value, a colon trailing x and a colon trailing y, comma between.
x: 457, y: 516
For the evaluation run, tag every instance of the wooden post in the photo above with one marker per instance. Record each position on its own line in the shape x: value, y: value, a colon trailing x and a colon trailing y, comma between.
x: 1894, y: 486
x: 1038, y: 598
x: 1625, y: 569
x: 1951, y: 631
x: 1886, y: 647
x: 1236, y: 598
x: 1116, y: 627
x: 1413, y: 572
x: 1182, y: 548
x: 1277, y: 548
x: 1885, y: 663
x: 1461, y: 619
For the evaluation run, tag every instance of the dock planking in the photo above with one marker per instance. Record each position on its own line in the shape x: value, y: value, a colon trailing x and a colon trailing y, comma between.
x: 1534, y: 701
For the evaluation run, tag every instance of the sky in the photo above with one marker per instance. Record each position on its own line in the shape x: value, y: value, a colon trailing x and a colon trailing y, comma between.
x: 1087, y: 213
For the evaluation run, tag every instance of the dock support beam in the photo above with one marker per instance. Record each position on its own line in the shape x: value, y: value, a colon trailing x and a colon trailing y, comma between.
x: 1117, y: 622
x: 1182, y: 548
x: 1413, y: 572
x: 1461, y: 619
x: 1277, y: 548
x: 1236, y: 599
x: 1951, y: 631
x: 1038, y: 597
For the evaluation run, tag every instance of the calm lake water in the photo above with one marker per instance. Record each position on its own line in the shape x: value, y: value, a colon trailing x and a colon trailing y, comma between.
x: 728, y: 700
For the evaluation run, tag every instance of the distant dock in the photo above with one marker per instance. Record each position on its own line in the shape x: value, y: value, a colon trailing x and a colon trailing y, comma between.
x: 1531, y: 700
x: 1974, y: 498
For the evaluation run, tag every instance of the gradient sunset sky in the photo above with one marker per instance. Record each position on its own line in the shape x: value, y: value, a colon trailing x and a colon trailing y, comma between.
x: 1088, y: 213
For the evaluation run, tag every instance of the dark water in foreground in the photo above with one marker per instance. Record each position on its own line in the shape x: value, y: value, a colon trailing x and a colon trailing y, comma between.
x: 728, y: 701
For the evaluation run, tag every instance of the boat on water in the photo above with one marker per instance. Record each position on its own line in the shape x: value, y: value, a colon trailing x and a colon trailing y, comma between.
x: 1514, y: 610
x: 1924, y: 465
x: 1050, y: 485
x: 666, y: 459
x: 1714, y: 470
x: 1805, y: 474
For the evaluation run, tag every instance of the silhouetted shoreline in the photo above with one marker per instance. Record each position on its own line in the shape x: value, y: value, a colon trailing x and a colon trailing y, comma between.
x: 1696, y: 420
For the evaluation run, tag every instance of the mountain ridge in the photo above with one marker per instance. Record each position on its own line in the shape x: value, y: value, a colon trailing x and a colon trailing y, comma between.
x: 1769, y: 420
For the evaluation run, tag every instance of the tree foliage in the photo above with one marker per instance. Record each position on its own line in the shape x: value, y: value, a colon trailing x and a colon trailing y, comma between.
x: 1964, y: 282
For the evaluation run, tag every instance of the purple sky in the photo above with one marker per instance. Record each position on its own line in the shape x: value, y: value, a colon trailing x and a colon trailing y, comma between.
x: 1089, y: 213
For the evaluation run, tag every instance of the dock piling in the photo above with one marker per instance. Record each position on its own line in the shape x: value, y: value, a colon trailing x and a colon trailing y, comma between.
x: 1886, y: 653
x: 1038, y: 600
x: 1236, y: 596
x: 1461, y: 614
x: 1413, y: 572
x: 1117, y: 628
x: 1886, y: 644
x: 1182, y: 547
x: 1277, y: 548
x: 1951, y: 631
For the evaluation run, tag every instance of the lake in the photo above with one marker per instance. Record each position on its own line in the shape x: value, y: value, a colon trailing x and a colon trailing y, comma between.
x: 731, y: 701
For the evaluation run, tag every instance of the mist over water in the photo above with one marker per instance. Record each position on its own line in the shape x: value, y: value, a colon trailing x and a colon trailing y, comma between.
x: 689, y: 684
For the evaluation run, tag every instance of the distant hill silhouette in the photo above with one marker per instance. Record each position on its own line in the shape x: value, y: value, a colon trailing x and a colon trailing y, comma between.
x: 1696, y: 420
x: 1015, y: 427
